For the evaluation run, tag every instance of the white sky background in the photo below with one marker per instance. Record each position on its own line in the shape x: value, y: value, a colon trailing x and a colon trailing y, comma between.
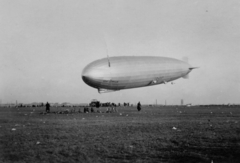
x: 44, y: 46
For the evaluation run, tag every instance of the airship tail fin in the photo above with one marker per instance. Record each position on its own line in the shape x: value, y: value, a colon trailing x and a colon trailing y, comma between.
x: 187, y: 76
x: 191, y: 68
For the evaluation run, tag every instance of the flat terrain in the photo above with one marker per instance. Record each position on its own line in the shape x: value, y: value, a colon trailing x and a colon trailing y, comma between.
x: 156, y: 134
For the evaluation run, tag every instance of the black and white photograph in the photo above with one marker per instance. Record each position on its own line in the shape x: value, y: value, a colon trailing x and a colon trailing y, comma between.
x: 145, y: 81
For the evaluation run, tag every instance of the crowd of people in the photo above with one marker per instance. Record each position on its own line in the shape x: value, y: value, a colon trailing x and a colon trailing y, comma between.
x: 110, y: 109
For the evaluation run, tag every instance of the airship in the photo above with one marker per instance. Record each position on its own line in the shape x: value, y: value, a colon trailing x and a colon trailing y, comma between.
x: 125, y: 72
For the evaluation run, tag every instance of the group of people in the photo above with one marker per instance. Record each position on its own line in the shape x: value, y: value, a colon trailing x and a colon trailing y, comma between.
x: 112, y: 109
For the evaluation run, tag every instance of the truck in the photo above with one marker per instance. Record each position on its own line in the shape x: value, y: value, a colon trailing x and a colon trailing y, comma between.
x: 95, y: 103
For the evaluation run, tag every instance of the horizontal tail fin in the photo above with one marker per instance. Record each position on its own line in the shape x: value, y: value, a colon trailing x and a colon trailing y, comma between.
x: 191, y: 68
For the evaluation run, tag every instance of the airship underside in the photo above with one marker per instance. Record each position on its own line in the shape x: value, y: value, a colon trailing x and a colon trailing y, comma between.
x: 125, y: 72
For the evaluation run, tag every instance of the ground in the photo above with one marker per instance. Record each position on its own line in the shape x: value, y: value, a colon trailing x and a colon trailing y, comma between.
x: 155, y: 134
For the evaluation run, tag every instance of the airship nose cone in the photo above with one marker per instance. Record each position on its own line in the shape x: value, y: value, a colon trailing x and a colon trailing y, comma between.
x: 89, y: 72
x: 93, y: 75
x: 85, y: 78
x: 87, y: 75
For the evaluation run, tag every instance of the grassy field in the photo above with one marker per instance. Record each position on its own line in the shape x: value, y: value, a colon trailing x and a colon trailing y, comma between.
x: 156, y: 134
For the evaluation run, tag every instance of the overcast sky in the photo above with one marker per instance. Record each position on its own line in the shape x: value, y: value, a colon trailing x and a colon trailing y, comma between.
x: 45, y: 44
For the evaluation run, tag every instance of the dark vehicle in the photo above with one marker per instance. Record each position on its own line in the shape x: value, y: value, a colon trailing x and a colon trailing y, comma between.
x: 95, y: 103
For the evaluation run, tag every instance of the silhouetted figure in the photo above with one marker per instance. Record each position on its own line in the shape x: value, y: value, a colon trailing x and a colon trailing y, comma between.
x: 48, y: 107
x: 86, y: 110
x: 138, y: 106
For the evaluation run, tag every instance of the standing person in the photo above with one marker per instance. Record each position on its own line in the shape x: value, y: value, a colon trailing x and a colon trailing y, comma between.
x: 139, y: 106
x: 47, y: 107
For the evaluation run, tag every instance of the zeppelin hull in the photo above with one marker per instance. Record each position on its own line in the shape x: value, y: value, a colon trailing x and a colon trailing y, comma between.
x: 116, y: 73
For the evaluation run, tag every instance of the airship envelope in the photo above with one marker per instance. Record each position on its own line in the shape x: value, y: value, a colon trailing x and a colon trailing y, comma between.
x: 125, y: 72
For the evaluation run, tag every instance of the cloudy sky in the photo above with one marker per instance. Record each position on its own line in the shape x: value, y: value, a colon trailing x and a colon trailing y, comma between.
x: 44, y: 46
